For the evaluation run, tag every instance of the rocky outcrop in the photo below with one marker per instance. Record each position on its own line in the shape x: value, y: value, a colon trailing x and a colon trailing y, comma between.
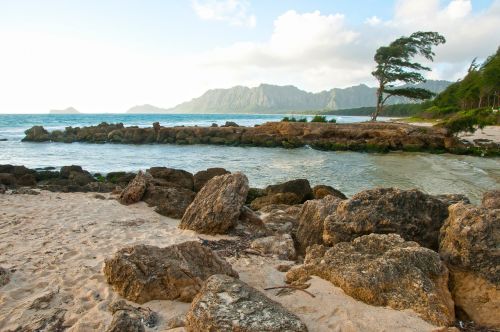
x: 172, y: 176
x: 369, y: 136
x: 202, y: 177
x: 321, y: 191
x: 281, y: 218
x: 281, y: 246
x: 469, y: 246
x: 491, y: 199
x: 275, y: 199
x: 169, y: 201
x: 410, y: 213
x: 135, y: 190
x: 311, y: 221
x: 217, y: 206
x: 123, y: 321
x: 228, y: 304
x: 384, y: 270
x: 143, y: 273
x: 299, y: 187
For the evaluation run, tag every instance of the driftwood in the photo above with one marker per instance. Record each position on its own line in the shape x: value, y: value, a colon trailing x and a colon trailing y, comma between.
x: 291, y: 287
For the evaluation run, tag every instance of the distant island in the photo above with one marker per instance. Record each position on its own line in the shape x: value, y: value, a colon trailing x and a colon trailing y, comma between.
x: 146, y: 109
x: 267, y: 98
x: 69, y: 110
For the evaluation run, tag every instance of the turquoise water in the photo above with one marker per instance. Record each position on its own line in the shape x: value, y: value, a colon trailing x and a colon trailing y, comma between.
x: 350, y: 172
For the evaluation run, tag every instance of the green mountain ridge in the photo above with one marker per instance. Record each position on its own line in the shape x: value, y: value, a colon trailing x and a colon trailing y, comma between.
x: 267, y: 98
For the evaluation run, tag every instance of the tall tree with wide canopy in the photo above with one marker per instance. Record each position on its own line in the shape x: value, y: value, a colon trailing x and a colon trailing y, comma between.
x: 394, y: 65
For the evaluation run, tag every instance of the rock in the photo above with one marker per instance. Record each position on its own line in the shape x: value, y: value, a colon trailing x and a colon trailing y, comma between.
x: 80, y: 178
x: 280, y: 245
x: 8, y: 179
x: 300, y: 187
x: 67, y: 170
x: 169, y: 201
x: 144, y: 315
x: 175, y: 322
x: 228, y: 304
x: 4, y: 276
x: 491, y: 199
x: 230, y: 124
x: 469, y: 246
x: 25, y: 191
x: 321, y: 191
x: 175, y: 176
x: 410, y: 213
x: 36, y: 134
x: 254, y: 193
x: 135, y: 190
x: 280, y: 218
x: 202, y: 177
x: 120, y: 177
x: 27, y: 180
x: 99, y: 196
x: 123, y: 321
x: 217, y: 207
x: 384, y: 270
x: 3, y: 188
x: 311, y: 221
x: 280, y: 198
x: 450, y: 199
x: 250, y: 223
x: 144, y: 273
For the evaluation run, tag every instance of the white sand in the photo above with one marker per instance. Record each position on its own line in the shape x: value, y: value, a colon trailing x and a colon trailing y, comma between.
x: 56, y: 243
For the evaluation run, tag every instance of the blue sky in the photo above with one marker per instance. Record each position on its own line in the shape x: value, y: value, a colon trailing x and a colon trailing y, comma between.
x: 111, y: 55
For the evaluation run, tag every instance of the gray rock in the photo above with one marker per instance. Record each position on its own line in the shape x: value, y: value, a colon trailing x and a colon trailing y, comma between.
x: 281, y: 246
x: 143, y: 273
x: 217, y: 207
x: 135, y: 190
x: 228, y: 304
x: 202, y: 177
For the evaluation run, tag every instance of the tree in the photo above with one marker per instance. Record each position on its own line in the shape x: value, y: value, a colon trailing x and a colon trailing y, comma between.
x: 394, y: 65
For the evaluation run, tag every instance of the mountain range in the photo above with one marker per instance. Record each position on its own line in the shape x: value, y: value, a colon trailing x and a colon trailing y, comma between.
x: 267, y: 98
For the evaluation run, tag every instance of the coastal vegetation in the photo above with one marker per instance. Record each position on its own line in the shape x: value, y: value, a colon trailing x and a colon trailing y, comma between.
x: 394, y: 65
x: 316, y: 118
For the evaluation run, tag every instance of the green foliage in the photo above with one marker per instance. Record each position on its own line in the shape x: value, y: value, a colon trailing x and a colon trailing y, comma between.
x: 302, y: 120
x: 395, y: 65
x: 319, y: 118
x: 471, y: 120
x: 333, y: 120
x: 397, y: 110
x: 479, y: 88
x: 287, y: 119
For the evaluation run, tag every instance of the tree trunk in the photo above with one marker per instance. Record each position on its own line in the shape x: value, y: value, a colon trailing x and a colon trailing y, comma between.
x: 378, y: 109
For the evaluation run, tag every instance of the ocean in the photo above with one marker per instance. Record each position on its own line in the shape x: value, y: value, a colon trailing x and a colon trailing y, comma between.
x: 349, y: 172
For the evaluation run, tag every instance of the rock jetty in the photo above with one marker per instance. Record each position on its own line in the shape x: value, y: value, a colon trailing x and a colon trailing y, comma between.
x: 368, y: 136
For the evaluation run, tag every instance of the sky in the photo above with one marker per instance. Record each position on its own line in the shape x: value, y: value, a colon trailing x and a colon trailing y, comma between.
x: 109, y: 55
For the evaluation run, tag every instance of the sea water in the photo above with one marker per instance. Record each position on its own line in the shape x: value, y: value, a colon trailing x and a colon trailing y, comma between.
x: 349, y: 172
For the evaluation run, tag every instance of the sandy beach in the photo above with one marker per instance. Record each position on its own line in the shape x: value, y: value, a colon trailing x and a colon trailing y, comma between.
x: 55, y: 245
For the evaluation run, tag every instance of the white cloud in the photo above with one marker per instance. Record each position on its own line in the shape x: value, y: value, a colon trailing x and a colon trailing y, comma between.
x: 374, y: 20
x: 235, y: 12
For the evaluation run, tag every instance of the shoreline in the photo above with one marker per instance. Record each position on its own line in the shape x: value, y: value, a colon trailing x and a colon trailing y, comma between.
x: 363, y: 137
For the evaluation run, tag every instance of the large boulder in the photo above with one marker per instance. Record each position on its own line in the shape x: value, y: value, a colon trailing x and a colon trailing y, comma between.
x: 384, y: 270
x: 174, y: 176
x: 36, y: 134
x: 8, y: 179
x: 143, y: 273
x: 299, y: 187
x: 169, y: 201
x: 311, y: 221
x: 410, y: 213
x: 491, y: 199
x: 135, y: 190
x: 202, y: 177
x: 469, y: 245
x: 321, y: 191
x: 217, y: 207
x: 281, y: 218
x: 228, y: 304
x: 27, y: 180
x: 67, y: 170
x: 124, y: 321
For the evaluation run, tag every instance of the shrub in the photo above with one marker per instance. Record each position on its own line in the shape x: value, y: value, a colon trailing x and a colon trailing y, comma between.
x: 319, y: 118
x: 470, y: 121
x: 287, y: 119
x: 302, y: 120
